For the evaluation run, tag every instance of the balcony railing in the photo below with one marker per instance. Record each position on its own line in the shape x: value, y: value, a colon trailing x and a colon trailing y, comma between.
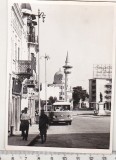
x: 23, y: 67
x: 32, y: 38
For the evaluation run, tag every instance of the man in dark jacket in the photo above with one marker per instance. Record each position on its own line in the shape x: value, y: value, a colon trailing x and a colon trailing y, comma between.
x: 43, y: 126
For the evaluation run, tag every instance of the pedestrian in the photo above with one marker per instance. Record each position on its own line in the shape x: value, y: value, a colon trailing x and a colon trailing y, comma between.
x: 25, y: 120
x: 43, y: 126
x: 21, y: 122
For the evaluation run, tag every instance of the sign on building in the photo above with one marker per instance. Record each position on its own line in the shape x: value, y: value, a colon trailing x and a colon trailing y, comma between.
x: 102, y: 71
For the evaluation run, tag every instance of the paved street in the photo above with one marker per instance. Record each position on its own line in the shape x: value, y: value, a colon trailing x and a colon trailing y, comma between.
x: 86, y: 131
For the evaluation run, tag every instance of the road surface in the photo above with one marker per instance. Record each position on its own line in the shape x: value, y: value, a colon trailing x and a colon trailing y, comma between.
x: 86, y: 131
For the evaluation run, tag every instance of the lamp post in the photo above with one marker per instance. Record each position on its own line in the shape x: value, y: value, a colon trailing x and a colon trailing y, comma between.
x: 46, y: 57
x: 40, y: 15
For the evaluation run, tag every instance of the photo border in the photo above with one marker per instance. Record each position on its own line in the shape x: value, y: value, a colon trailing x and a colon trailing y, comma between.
x: 54, y: 149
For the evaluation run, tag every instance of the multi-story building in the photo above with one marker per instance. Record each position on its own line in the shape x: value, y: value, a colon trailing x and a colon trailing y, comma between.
x: 16, y: 36
x: 32, y: 43
x: 21, y: 61
x: 100, y: 88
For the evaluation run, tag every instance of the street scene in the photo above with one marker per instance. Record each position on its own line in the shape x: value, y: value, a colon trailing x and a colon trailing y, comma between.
x: 77, y: 135
x: 60, y: 75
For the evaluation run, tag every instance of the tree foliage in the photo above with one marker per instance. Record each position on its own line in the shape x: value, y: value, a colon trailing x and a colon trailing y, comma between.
x: 79, y: 93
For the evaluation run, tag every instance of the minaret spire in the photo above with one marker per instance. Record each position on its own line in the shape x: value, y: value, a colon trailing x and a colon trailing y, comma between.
x: 67, y: 59
x: 67, y: 71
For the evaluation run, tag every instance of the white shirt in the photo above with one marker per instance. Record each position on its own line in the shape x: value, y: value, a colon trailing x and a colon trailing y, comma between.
x: 25, y: 116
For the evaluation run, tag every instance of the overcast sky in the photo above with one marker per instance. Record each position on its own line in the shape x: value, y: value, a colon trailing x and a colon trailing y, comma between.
x: 85, y: 31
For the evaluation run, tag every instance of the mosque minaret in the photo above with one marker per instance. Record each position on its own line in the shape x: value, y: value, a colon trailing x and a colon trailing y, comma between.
x: 67, y: 71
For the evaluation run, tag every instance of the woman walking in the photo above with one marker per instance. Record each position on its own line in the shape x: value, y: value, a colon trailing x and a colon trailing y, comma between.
x: 25, y: 118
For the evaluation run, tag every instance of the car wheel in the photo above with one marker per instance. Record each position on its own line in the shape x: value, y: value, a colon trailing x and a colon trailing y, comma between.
x: 70, y: 123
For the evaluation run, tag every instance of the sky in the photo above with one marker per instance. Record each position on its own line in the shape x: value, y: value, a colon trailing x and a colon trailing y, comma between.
x: 85, y: 31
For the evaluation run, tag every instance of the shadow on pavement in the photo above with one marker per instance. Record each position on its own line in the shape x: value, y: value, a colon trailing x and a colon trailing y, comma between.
x: 77, y: 140
x: 58, y: 124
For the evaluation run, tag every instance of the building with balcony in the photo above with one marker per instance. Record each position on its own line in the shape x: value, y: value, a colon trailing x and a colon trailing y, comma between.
x: 30, y: 66
x: 100, y: 87
x: 22, y: 62
x: 16, y: 37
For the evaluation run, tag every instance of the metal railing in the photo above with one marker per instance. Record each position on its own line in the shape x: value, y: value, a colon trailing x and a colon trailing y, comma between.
x: 32, y: 38
x: 23, y: 67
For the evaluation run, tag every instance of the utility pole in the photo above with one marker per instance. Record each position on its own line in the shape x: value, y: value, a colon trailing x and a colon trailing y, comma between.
x: 40, y: 14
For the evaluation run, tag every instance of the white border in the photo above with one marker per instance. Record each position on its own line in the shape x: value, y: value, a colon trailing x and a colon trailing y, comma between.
x: 53, y: 149
x: 3, y: 59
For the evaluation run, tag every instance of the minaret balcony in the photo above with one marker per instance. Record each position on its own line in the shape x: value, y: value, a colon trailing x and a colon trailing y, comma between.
x: 67, y: 67
x: 67, y: 70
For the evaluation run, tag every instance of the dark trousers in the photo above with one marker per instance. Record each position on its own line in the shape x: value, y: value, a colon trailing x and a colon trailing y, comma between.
x: 25, y: 129
x: 25, y: 134
x: 43, y: 134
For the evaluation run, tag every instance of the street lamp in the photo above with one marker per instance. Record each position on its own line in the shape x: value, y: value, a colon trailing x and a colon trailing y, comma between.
x: 46, y: 57
x: 40, y: 15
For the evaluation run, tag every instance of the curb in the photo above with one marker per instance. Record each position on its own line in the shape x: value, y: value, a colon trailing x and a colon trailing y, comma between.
x: 33, y: 140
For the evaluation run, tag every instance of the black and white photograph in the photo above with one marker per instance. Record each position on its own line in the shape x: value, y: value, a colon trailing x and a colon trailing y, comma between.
x: 60, y: 76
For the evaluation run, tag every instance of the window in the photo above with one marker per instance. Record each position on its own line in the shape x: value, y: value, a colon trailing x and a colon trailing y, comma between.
x: 93, y: 87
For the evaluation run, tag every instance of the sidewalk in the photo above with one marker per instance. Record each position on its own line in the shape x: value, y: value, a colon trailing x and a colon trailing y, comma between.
x: 16, y: 140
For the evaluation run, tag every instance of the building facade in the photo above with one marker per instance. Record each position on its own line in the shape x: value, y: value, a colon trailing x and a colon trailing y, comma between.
x: 29, y: 82
x: 22, y: 62
x: 15, y: 49
x: 100, y: 90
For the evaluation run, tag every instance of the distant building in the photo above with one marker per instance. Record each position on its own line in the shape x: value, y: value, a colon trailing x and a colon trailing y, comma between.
x: 100, y: 86
x: 100, y: 89
x: 57, y: 88
x: 59, y: 82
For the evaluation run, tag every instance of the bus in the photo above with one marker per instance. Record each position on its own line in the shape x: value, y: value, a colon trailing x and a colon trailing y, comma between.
x: 61, y: 112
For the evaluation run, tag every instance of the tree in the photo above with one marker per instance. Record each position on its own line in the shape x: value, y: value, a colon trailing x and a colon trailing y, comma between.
x: 79, y: 93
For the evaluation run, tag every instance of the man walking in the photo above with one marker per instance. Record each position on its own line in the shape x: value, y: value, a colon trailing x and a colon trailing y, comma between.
x: 25, y: 118
x: 43, y: 126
